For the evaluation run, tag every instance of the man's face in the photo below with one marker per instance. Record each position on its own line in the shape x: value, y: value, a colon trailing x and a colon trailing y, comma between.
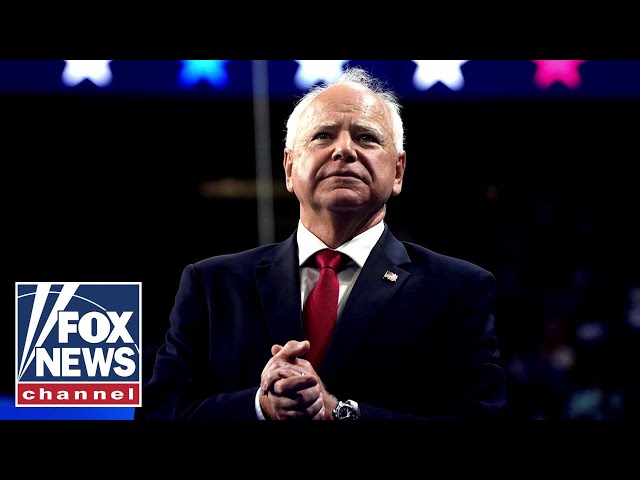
x: 344, y: 158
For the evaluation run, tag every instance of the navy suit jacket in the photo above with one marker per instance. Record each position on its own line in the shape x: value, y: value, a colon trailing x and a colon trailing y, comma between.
x: 422, y: 346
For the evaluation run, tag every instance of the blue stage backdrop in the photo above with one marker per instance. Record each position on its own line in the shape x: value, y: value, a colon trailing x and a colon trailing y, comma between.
x: 412, y: 79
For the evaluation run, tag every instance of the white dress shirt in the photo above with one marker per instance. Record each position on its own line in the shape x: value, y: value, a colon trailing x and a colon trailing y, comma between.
x: 358, y: 250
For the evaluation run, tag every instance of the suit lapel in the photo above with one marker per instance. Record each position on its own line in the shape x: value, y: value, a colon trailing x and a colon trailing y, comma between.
x: 371, y: 292
x: 278, y: 281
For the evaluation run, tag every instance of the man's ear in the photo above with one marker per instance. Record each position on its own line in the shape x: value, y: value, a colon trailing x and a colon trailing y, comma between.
x: 287, y: 163
x: 401, y: 164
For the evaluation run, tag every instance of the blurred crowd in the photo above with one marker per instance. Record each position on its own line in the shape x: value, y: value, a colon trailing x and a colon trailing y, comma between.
x: 568, y: 313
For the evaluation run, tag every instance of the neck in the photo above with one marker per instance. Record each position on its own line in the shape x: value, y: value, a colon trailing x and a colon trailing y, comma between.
x: 334, y: 229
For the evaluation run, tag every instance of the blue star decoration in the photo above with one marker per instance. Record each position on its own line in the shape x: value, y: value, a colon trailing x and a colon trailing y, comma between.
x: 193, y: 71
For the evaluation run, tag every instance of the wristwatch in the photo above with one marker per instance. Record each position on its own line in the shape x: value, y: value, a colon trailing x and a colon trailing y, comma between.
x: 348, y: 410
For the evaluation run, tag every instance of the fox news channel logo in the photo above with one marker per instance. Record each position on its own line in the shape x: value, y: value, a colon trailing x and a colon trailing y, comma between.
x: 78, y: 344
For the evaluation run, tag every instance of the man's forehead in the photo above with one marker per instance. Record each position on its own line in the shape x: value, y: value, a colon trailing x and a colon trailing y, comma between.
x: 324, y: 107
x: 347, y: 96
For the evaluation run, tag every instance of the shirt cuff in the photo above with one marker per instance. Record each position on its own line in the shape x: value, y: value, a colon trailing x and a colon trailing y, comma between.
x: 259, y: 413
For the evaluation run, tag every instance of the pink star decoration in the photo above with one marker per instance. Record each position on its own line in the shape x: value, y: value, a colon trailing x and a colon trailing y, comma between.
x: 563, y: 71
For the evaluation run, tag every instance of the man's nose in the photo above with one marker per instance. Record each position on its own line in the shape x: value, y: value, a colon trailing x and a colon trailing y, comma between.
x: 344, y: 148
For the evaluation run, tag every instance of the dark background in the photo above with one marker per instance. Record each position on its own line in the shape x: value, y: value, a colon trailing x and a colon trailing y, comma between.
x: 540, y: 191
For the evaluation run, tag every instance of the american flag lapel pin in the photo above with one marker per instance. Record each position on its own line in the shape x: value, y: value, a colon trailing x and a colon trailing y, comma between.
x: 392, y: 277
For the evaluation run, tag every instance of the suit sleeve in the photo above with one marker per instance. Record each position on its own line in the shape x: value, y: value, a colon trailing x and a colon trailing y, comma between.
x: 180, y: 387
x: 476, y: 377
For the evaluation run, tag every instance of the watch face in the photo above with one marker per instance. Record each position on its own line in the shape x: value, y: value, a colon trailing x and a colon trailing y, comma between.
x: 346, y: 412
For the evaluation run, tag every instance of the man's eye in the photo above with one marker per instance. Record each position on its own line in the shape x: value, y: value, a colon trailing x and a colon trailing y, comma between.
x: 368, y: 138
x: 321, y: 136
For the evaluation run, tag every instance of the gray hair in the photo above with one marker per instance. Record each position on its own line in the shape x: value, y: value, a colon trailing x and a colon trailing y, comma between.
x: 360, y: 77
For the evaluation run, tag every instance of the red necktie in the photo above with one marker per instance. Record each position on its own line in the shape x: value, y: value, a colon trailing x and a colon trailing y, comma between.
x: 321, y: 307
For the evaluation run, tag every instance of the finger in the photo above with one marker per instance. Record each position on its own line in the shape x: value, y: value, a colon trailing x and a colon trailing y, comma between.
x: 301, y: 367
x: 291, y: 385
x: 282, y: 403
x: 305, y: 398
x: 320, y: 414
x: 274, y: 365
x: 276, y: 374
x: 308, y: 413
x: 306, y: 365
x: 268, y: 380
x: 284, y: 408
x: 293, y: 349
x: 276, y: 406
x: 267, y: 366
x: 294, y: 415
x: 315, y: 409
x: 271, y: 362
x: 289, y: 353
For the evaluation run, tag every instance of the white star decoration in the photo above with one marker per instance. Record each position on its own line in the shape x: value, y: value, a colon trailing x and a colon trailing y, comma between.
x: 97, y: 71
x: 430, y: 72
x: 311, y: 72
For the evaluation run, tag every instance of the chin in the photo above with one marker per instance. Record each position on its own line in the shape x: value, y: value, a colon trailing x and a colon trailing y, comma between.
x: 346, y: 200
x: 344, y: 208
x: 346, y: 205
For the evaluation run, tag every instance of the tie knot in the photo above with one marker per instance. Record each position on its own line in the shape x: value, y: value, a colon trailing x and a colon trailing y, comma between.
x: 329, y: 258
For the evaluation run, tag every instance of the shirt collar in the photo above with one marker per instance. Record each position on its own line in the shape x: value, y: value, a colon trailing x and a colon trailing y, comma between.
x: 358, y: 248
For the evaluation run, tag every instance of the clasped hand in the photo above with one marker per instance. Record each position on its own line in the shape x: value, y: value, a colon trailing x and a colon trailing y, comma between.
x: 290, y: 388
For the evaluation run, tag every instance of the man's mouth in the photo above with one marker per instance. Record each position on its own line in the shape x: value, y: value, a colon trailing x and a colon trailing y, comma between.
x: 345, y: 175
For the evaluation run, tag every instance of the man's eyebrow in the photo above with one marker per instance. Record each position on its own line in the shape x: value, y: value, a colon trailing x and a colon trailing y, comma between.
x: 372, y: 127
x: 325, y: 124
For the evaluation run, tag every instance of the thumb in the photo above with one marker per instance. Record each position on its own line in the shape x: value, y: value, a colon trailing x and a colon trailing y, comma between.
x: 293, y: 349
x: 276, y: 348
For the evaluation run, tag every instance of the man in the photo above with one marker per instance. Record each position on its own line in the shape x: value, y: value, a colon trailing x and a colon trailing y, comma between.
x: 392, y: 331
